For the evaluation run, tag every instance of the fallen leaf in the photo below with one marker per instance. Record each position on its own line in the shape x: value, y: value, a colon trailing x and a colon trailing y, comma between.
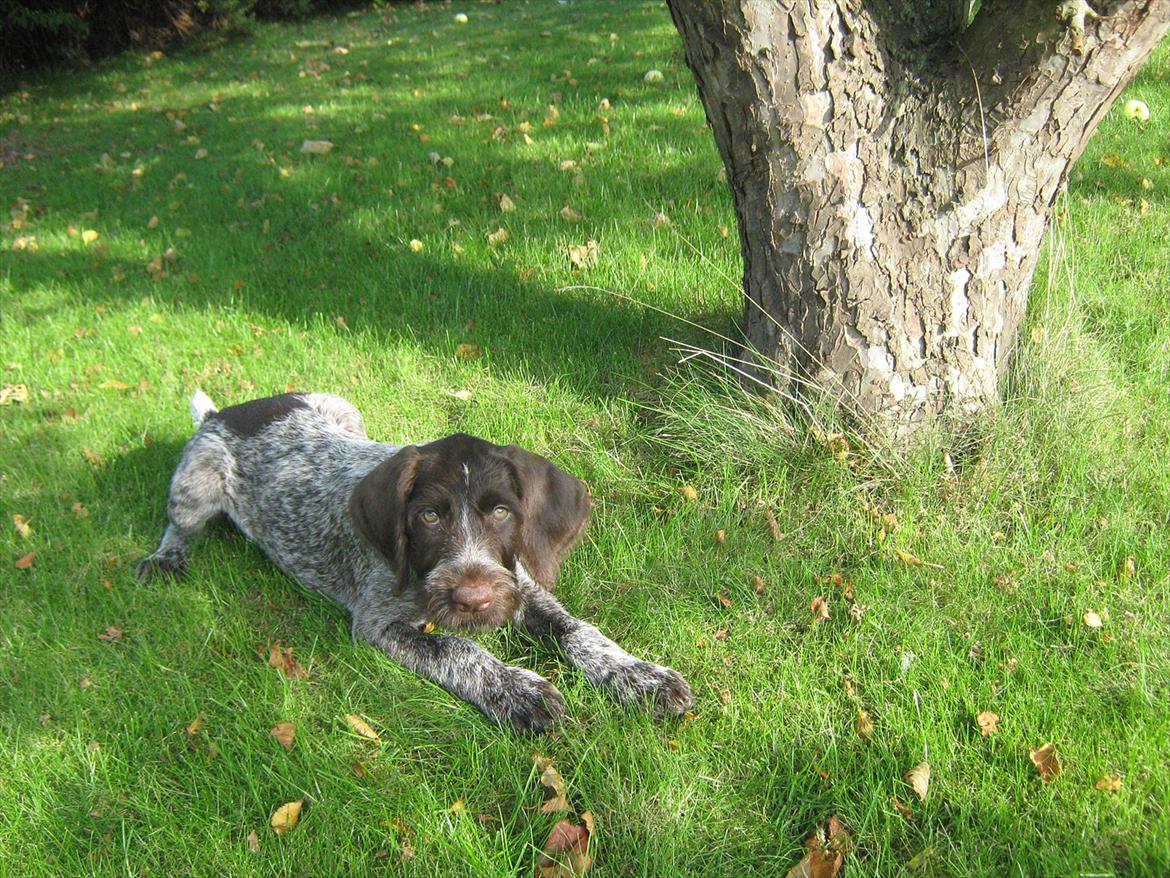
x: 1046, y: 762
x: 864, y: 724
x: 11, y: 393
x: 114, y: 384
x: 468, y: 351
x: 659, y: 220
x: 285, y: 733
x: 89, y: 236
x: 316, y: 147
x: 22, y: 526
x: 919, y: 778
x: 286, y: 816
x: 416, y: 245
x: 820, y: 609
x: 498, y: 237
x: 551, y: 778
x: 79, y: 509
x: 721, y: 536
x: 825, y: 852
x: 24, y: 562
x: 907, y: 558
x: 93, y: 457
x: 111, y: 634
x: 1113, y: 160
x: 1109, y: 783
x: 725, y: 696
x: 724, y: 599
x: 773, y: 525
x: 569, y: 215
x: 583, y: 255
x: 901, y: 808
x: 1092, y: 619
x: 507, y: 205
x: 253, y: 842
x: 360, y: 726
x: 566, y: 853
x: 759, y: 586
x: 282, y: 658
x: 988, y: 723
x: 689, y: 493
x: 1129, y: 567
x: 196, y: 725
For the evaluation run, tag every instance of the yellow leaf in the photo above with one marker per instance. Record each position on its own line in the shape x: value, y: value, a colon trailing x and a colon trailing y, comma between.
x: 114, y: 384
x: 498, y: 237
x: 988, y: 723
x: 1092, y: 619
x: 507, y: 205
x: 689, y: 493
x: 467, y: 351
x: 864, y: 724
x: 1109, y: 784
x: 570, y: 215
x: 286, y: 816
x: 360, y: 726
x: 89, y: 236
x: 26, y: 561
x: 11, y: 393
x: 907, y: 558
x: 196, y: 725
x: 820, y: 609
x: 919, y: 778
x: 22, y: 526
x: 416, y: 245
x: 584, y: 255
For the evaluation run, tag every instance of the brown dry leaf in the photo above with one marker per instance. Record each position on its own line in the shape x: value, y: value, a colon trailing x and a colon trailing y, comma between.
x: 21, y: 525
x: 1092, y: 619
x: 725, y: 696
x: 901, y: 808
x: 93, y: 457
x: 467, y: 351
x: 825, y: 852
x: 820, y: 609
x: 566, y: 853
x: 111, y: 634
x: 773, y: 525
x: 1046, y: 762
x: 24, y: 562
x: 1109, y: 783
x: 1113, y: 160
x: 196, y: 725
x: 282, y: 658
x: 498, y: 237
x: 253, y: 842
x: 316, y: 147
x: 759, y: 586
x: 79, y: 509
x: 724, y: 599
x: 864, y: 724
x: 286, y: 816
x: 551, y: 778
x: 919, y: 778
x: 584, y: 255
x: 689, y: 493
x: 285, y: 733
x: 1129, y: 567
x: 360, y: 726
x: 721, y: 536
x: 988, y: 723
x: 907, y: 558
x: 569, y: 215
x: 659, y: 220
x: 507, y: 205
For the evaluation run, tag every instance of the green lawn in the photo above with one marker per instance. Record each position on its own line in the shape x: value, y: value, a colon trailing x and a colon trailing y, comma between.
x: 227, y: 258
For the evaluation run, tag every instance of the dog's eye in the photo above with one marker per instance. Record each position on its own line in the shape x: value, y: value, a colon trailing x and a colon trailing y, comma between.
x: 430, y: 516
x: 501, y: 512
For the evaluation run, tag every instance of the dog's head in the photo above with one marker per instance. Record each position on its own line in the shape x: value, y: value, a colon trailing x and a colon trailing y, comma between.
x: 455, y: 517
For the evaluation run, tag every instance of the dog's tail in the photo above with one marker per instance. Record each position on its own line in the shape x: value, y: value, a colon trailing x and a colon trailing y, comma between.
x: 201, y: 407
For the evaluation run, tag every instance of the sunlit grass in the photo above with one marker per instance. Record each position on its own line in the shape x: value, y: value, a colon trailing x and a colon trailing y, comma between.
x: 295, y: 270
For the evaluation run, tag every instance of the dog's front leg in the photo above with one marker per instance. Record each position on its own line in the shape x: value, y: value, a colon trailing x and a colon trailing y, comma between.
x: 509, y: 695
x: 604, y: 663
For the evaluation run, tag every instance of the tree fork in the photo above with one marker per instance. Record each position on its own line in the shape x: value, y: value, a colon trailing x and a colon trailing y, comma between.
x: 893, y: 168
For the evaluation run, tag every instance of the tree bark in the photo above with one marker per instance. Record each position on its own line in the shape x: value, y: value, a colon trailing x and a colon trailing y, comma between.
x: 893, y: 167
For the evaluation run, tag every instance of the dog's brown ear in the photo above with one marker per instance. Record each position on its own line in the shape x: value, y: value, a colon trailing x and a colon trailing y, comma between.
x: 377, y: 508
x: 555, y: 510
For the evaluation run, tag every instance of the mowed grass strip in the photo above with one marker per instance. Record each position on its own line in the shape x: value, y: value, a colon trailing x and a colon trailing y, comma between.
x: 167, y: 231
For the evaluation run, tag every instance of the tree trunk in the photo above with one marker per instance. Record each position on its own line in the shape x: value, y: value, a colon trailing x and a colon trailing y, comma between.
x: 893, y: 168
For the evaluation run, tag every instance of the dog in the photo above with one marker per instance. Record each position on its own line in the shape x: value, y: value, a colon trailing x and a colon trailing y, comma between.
x: 458, y: 532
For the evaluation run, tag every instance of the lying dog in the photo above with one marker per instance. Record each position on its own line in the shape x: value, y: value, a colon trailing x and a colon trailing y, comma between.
x: 458, y: 532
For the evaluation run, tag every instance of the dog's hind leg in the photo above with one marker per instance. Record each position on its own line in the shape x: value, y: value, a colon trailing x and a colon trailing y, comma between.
x: 199, y: 492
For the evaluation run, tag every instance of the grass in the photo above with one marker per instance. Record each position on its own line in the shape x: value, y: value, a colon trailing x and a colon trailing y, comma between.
x: 292, y: 269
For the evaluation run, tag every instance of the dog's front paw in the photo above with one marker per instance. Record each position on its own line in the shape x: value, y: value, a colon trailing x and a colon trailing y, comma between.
x: 662, y: 687
x: 156, y: 566
x: 525, y: 701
